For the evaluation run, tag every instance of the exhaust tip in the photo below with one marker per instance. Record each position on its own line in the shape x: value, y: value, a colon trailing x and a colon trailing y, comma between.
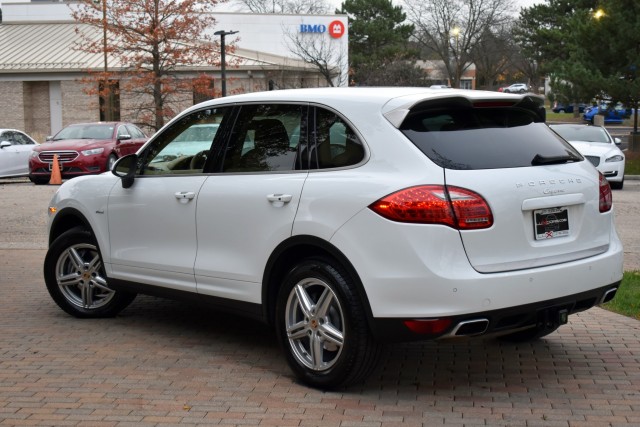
x: 470, y: 328
x: 608, y: 296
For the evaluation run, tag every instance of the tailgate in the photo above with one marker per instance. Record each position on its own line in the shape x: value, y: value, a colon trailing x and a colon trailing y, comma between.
x: 542, y: 216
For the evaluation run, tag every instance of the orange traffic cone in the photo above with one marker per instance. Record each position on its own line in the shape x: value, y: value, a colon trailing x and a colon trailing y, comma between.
x: 56, y: 178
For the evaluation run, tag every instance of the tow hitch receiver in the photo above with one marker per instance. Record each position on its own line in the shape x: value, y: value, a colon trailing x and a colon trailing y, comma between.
x: 553, y: 317
x: 563, y: 317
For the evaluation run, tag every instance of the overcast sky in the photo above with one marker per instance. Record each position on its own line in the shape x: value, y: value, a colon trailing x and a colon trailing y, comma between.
x: 518, y: 3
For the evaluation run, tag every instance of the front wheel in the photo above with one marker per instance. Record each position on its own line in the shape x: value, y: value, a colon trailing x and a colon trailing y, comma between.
x: 321, y: 325
x: 111, y: 161
x: 76, y: 279
x: 617, y: 185
x: 39, y: 181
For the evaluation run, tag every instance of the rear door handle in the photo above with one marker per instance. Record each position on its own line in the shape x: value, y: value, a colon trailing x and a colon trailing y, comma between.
x: 185, y: 196
x: 279, y: 200
x: 286, y: 198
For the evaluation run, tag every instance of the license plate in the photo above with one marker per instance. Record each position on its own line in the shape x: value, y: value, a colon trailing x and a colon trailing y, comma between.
x: 551, y: 223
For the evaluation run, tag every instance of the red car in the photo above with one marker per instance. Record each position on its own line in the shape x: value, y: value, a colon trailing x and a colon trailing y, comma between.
x: 85, y: 148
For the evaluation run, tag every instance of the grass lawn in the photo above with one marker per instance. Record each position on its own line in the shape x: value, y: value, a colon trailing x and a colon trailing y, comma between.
x: 627, y: 299
x: 632, y: 165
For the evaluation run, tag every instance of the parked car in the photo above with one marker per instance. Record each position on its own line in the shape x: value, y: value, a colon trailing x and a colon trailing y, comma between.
x: 85, y: 148
x: 516, y: 88
x: 613, y: 115
x: 596, y: 144
x: 347, y: 218
x: 567, y: 108
x: 15, y: 149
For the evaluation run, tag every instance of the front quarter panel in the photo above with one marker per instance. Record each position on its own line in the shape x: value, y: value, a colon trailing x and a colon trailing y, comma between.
x: 84, y: 197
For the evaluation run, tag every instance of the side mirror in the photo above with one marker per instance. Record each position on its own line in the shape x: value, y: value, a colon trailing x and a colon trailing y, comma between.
x: 125, y: 169
x: 49, y: 138
x: 124, y: 137
x: 4, y: 144
x: 617, y: 141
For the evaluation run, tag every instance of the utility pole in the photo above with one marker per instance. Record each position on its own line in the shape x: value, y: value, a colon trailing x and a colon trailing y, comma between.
x: 223, y: 62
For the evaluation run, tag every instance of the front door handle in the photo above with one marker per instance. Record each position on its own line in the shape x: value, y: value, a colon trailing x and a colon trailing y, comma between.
x: 185, y: 196
x: 279, y: 200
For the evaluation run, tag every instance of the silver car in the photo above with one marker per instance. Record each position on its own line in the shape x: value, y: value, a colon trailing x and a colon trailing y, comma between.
x: 15, y: 148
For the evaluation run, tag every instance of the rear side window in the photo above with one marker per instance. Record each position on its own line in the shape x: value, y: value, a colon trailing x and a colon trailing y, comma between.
x: 336, y: 143
x: 468, y: 138
x: 265, y: 138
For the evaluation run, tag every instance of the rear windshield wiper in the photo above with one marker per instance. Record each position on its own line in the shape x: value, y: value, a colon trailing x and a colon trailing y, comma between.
x: 540, y: 160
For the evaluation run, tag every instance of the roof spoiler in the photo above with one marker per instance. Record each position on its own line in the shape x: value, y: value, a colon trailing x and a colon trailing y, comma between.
x: 531, y: 102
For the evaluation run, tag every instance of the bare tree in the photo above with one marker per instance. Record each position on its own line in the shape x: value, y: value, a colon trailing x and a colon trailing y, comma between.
x: 328, y: 56
x: 493, y: 56
x: 449, y: 29
x: 296, y: 7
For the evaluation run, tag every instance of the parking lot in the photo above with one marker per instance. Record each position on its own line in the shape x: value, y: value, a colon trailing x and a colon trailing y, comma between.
x: 169, y: 363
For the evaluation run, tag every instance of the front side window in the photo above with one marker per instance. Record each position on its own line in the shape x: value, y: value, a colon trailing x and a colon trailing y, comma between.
x: 135, y: 132
x: 122, y: 131
x: 184, y: 147
x: 23, y: 139
x: 266, y: 137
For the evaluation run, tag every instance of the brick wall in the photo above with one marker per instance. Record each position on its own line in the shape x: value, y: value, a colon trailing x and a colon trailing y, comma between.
x: 12, y: 105
x: 37, y: 115
x: 77, y: 106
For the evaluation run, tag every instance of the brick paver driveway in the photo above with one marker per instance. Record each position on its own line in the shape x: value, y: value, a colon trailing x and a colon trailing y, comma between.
x: 169, y: 363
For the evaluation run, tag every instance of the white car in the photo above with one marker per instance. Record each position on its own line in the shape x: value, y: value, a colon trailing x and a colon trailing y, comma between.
x: 597, y: 145
x: 15, y: 149
x: 517, y: 88
x: 347, y: 218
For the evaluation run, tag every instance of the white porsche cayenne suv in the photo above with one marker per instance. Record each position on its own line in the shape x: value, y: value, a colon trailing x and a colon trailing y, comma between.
x: 347, y: 218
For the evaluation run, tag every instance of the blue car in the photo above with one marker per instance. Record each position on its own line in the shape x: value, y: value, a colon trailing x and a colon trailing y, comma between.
x: 613, y: 116
x: 567, y: 108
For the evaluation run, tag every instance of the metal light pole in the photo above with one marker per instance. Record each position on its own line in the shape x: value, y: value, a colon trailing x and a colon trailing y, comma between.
x: 456, y: 55
x: 107, y: 109
x: 223, y: 65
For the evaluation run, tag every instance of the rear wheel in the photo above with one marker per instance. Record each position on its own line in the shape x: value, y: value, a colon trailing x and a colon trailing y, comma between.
x: 321, y: 325
x: 76, y: 279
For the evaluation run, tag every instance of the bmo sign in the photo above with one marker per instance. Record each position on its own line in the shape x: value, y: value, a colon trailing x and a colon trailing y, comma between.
x: 335, y: 29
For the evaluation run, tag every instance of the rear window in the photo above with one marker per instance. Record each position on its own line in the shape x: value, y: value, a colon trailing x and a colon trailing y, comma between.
x: 468, y: 138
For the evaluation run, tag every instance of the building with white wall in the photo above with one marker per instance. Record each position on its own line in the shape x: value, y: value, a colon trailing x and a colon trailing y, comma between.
x: 41, y: 68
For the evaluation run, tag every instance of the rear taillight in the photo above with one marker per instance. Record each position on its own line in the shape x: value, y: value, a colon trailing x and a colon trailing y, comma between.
x: 456, y: 207
x: 606, y: 200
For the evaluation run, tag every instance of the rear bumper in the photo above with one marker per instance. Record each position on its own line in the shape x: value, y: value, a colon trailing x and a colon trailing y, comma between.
x: 496, y: 321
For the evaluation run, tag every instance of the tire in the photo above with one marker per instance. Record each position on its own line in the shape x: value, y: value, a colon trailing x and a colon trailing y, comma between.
x: 561, y: 111
x: 111, y: 161
x: 334, y: 320
x: 76, y: 279
x: 615, y: 185
x: 39, y: 181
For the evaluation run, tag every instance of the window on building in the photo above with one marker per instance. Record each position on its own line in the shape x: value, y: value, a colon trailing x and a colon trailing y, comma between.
x: 109, y: 100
